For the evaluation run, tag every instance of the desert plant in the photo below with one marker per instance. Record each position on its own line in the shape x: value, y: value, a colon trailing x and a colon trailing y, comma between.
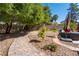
x: 42, y: 32
x: 52, y: 47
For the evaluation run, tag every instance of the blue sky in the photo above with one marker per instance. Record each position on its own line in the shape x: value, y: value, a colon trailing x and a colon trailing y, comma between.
x: 58, y: 8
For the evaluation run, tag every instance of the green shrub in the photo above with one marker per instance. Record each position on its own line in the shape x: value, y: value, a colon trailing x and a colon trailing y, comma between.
x: 52, y: 47
x: 73, y: 26
x: 42, y: 32
x: 54, y: 30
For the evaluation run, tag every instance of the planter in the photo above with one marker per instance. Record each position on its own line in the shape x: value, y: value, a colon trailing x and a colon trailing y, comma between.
x: 75, y: 36
x: 72, y: 35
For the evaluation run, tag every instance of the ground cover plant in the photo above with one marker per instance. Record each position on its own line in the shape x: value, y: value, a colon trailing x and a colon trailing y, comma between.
x: 52, y: 47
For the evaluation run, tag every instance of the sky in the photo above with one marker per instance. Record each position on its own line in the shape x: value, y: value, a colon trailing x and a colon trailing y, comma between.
x: 58, y: 8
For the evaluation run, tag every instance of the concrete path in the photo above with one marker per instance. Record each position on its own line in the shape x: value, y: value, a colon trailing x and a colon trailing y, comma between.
x: 57, y: 41
x: 4, y: 46
x: 22, y: 47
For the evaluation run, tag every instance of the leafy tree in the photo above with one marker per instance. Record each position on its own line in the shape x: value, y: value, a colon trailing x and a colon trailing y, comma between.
x: 32, y: 15
x: 5, y: 15
x: 29, y: 15
x: 47, y: 14
x: 74, y: 10
x: 9, y: 13
x: 54, y: 18
x: 36, y: 15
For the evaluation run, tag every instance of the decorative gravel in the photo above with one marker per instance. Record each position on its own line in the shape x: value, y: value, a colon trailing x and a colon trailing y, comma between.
x: 31, y: 45
x: 61, y: 51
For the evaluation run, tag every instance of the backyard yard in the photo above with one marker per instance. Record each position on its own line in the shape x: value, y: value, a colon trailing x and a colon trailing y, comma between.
x: 30, y: 44
x: 39, y: 29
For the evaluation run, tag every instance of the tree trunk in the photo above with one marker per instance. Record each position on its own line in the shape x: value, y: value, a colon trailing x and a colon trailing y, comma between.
x: 8, y: 29
x: 10, y: 26
x: 25, y: 27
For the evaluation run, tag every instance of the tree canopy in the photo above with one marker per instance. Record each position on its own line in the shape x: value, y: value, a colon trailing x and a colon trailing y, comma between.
x: 54, y: 18
x: 74, y: 10
x: 30, y: 14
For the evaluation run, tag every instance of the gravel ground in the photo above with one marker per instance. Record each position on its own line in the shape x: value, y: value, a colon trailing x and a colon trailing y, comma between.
x: 31, y: 46
x: 61, y: 51
x: 5, y: 42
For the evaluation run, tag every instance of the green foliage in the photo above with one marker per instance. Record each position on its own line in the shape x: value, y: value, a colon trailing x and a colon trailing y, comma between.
x: 42, y: 32
x: 54, y: 18
x: 64, y: 25
x: 74, y: 11
x: 33, y: 14
x: 47, y: 14
x: 52, y: 47
x: 5, y: 10
x: 74, y: 6
x: 30, y: 14
x: 73, y: 26
x: 54, y: 29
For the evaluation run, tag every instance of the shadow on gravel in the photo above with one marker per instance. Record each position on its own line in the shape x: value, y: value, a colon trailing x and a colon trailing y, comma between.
x: 36, y: 41
x: 4, y: 36
x: 78, y: 53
